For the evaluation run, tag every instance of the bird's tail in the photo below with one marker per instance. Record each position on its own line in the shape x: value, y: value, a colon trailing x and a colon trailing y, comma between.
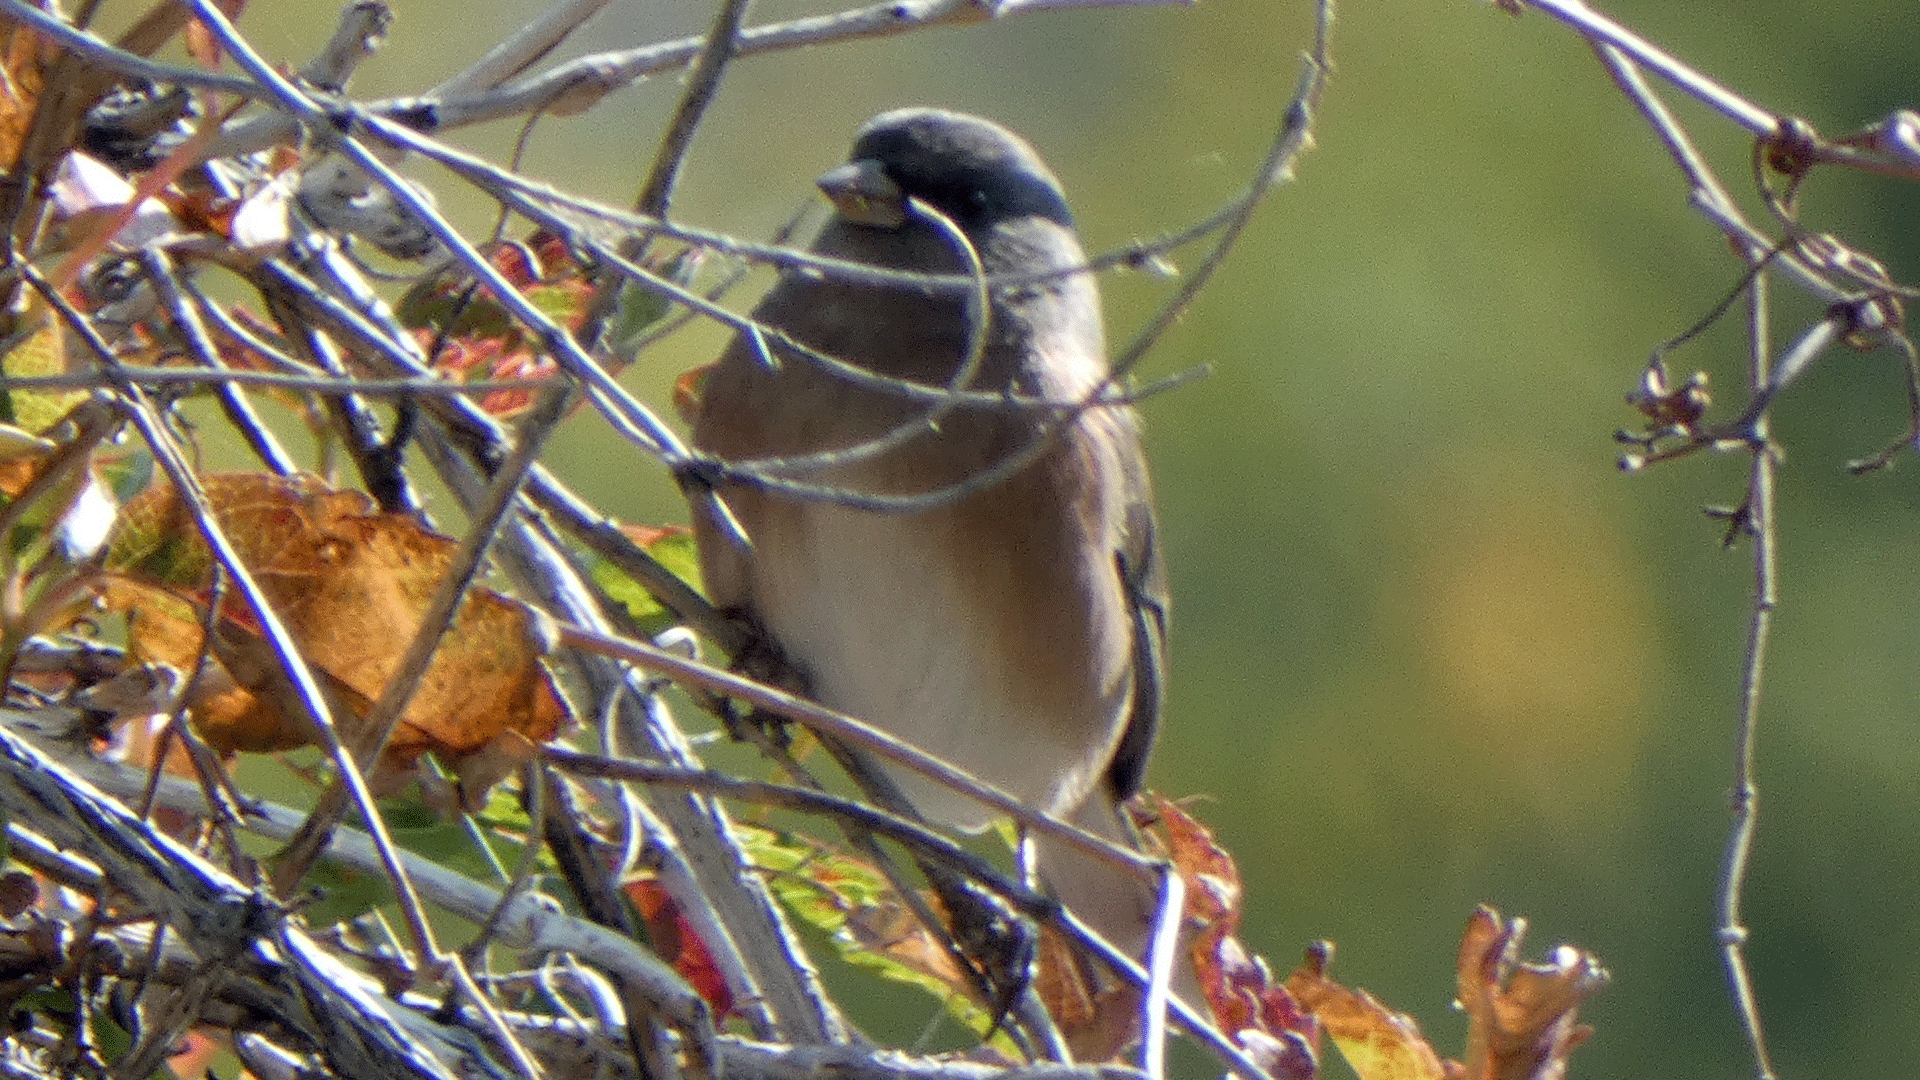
x: 1116, y: 904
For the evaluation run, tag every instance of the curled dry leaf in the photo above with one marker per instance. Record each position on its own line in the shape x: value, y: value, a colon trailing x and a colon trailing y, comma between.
x: 351, y: 584
x: 1523, y: 1017
x: 1265, y: 1016
x: 1379, y: 1043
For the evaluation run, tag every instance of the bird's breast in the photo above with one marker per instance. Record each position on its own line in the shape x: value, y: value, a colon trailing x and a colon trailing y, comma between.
x: 975, y: 632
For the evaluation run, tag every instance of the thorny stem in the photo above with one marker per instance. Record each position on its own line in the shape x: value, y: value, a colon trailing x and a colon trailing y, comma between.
x: 1745, y: 797
x: 1624, y: 55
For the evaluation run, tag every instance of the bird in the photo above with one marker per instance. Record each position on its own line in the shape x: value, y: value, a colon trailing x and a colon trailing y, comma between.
x: 1017, y: 631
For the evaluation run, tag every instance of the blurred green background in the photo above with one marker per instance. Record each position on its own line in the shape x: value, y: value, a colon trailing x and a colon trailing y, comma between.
x: 1431, y: 647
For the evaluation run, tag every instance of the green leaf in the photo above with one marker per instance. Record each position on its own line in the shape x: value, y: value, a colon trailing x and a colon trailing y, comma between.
x: 127, y: 475
x: 674, y: 549
x: 828, y: 891
x: 454, y: 311
x: 637, y: 309
x: 41, y: 352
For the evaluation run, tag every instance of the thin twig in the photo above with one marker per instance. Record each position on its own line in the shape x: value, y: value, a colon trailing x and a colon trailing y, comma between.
x: 673, y: 866
x: 1294, y: 136
x: 363, y: 25
x: 509, y: 1039
x: 530, y: 921
x: 568, y: 213
x: 977, y: 310
x: 525, y: 48
x: 121, y: 61
x: 612, y: 398
x: 1598, y: 28
x: 915, y: 837
x: 521, y: 881
x: 912, y: 835
x: 705, y: 677
x: 1867, y: 310
x: 227, y: 924
x: 583, y: 82
x: 656, y: 194
x: 1170, y: 907
x: 240, y: 414
x: 1758, y: 517
x: 541, y: 569
x: 317, y: 383
x: 703, y: 82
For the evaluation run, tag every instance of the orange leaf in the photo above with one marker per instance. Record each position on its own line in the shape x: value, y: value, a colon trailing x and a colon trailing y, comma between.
x: 351, y: 584
x: 1379, y: 1043
x: 673, y: 938
x: 22, y: 75
x: 236, y: 703
x: 687, y: 390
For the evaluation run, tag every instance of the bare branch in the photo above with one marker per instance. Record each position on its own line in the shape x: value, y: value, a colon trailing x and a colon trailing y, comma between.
x: 524, y: 49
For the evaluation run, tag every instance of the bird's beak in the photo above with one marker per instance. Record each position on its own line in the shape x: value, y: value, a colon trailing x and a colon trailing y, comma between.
x: 863, y: 193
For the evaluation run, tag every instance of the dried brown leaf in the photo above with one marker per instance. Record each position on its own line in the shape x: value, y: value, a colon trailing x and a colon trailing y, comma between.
x: 1246, y: 999
x: 1379, y: 1043
x: 351, y: 584
x: 23, y: 61
x: 1523, y: 1018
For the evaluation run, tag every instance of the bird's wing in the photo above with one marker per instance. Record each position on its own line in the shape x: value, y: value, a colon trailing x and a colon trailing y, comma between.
x: 1143, y: 580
